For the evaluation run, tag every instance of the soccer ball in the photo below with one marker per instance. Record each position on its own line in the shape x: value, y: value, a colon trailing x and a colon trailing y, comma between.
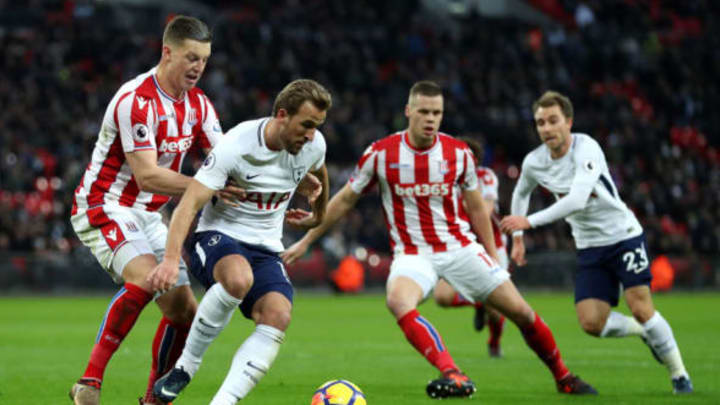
x: 338, y: 392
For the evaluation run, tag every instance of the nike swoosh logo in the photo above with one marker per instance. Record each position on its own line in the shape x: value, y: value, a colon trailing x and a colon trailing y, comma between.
x: 168, y: 393
x: 249, y: 177
x: 202, y: 321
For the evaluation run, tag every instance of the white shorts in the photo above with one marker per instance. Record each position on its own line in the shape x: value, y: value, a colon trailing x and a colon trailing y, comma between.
x: 503, y: 257
x: 469, y: 270
x: 115, y: 235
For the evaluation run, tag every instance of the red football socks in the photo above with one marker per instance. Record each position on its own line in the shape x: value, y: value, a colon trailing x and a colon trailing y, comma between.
x: 120, y: 317
x: 166, y: 348
x: 539, y: 337
x: 426, y: 340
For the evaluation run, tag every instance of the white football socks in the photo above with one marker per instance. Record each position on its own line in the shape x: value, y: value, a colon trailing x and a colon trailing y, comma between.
x: 213, y: 314
x: 660, y: 336
x: 619, y: 325
x: 251, y: 362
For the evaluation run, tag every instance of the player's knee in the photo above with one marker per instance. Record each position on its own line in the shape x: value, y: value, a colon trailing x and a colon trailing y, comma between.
x: 442, y: 299
x: 276, y: 317
x: 236, y: 283
x: 516, y: 309
x: 521, y: 315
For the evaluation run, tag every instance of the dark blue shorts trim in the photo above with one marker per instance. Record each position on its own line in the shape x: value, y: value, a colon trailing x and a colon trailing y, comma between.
x: 602, y: 270
x: 267, y: 267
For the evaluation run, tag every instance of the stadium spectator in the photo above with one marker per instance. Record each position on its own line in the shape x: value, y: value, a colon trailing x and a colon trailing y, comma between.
x: 641, y: 73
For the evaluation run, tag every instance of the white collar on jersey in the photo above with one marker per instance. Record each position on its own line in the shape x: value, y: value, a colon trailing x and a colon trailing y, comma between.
x: 406, y: 142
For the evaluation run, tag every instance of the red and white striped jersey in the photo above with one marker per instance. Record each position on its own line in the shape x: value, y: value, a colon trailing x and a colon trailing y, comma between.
x: 489, y: 187
x: 141, y: 116
x: 421, y: 191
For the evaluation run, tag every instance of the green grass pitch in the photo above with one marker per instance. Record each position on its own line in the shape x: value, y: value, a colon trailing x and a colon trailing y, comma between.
x: 45, y: 342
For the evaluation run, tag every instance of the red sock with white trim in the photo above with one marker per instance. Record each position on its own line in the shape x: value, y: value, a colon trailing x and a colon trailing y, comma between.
x: 539, y: 337
x: 120, y: 317
x: 166, y: 348
x: 426, y: 340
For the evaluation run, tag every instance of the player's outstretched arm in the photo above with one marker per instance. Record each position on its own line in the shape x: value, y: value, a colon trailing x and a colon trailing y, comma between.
x: 480, y: 220
x: 165, y: 274
x: 337, y: 208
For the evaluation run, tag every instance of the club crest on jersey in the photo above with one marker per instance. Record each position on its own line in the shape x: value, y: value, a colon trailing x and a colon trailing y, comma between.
x: 209, y: 161
x: 192, y: 117
x: 140, y: 132
x: 443, y: 167
x: 214, y: 240
x: 298, y: 173
x: 590, y: 166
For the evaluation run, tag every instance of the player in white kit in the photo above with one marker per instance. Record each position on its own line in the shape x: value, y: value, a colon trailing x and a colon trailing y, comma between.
x: 610, y: 242
x: 235, y: 248
x: 429, y: 191
x: 444, y: 294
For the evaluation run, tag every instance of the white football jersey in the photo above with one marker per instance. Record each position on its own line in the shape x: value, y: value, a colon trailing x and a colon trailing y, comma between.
x: 269, y: 178
x: 586, y: 195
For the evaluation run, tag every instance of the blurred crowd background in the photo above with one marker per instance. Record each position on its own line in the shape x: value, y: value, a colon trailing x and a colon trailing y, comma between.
x: 642, y: 75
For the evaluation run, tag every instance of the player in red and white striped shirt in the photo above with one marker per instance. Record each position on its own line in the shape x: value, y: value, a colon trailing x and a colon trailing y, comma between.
x: 424, y: 177
x: 147, y: 130
x: 444, y: 294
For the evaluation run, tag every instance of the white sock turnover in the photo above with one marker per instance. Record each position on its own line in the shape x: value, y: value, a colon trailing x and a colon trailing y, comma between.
x: 619, y: 325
